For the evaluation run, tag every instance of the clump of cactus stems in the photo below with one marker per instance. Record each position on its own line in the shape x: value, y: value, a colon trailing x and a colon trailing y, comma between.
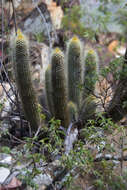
x: 24, y: 82
x: 59, y: 89
x: 74, y: 64
x: 56, y: 84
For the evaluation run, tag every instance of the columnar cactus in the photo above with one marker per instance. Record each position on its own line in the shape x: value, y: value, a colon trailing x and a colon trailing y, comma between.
x: 74, y: 70
x: 88, y: 108
x: 48, y: 86
x: 59, y: 87
x: 24, y: 82
x: 91, y: 69
x: 72, y: 111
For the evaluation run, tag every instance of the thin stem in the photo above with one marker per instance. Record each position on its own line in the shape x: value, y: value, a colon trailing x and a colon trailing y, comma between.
x: 14, y: 13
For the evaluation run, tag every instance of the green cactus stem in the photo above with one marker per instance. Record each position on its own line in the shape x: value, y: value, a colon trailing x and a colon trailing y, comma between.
x: 59, y: 87
x: 48, y: 86
x: 91, y: 69
x: 74, y: 64
x: 72, y: 111
x: 88, y: 109
x: 24, y: 82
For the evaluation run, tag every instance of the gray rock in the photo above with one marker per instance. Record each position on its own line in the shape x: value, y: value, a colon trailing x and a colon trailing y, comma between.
x: 4, y: 173
x: 5, y: 158
x: 43, y: 179
x: 108, y: 156
x: 34, y: 23
x: 71, y: 137
x: 7, y: 104
x: 99, y: 156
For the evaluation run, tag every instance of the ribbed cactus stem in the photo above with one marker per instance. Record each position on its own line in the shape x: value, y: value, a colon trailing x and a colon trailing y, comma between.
x: 24, y: 81
x: 88, y: 109
x: 74, y: 64
x: 48, y: 87
x: 91, y: 71
x: 59, y: 87
x: 72, y: 111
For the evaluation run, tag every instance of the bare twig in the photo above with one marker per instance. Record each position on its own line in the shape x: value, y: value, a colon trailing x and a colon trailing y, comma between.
x: 14, y: 13
x: 19, y: 140
x: 122, y: 156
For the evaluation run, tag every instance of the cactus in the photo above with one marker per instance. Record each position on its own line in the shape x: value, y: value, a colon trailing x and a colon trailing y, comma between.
x: 88, y: 108
x: 72, y: 111
x: 48, y: 86
x: 91, y: 69
x: 74, y: 70
x: 59, y: 87
x: 24, y: 82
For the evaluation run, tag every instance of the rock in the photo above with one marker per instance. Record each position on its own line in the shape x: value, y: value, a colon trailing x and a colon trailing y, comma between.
x: 43, y: 179
x: 99, y: 156
x: 5, y: 125
x: 71, y: 137
x: 56, y: 14
x: 35, y: 21
x: 5, y: 159
x: 14, y: 184
x: 40, y: 59
x: 5, y: 101
x: 112, y: 46
x: 116, y: 49
x: 116, y: 162
x: 120, y: 51
x: 108, y: 156
x: 4, y: 173
x: 1, y: 91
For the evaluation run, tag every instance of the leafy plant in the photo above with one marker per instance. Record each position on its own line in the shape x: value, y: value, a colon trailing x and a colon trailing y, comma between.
x: 73, y: 23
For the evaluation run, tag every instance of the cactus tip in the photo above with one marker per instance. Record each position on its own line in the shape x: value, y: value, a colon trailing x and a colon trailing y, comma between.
x: 75, y: 39
x: 71, y: 103
x: 57, y: 50
x: 91, y: 51
x: 20, y: 36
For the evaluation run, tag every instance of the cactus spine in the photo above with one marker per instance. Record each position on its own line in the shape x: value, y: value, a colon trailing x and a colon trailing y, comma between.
x: 24, y: 82
x: 59, y: 87
x: 90, y: 73
x: 74, y: 70
x: 48, y: 86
